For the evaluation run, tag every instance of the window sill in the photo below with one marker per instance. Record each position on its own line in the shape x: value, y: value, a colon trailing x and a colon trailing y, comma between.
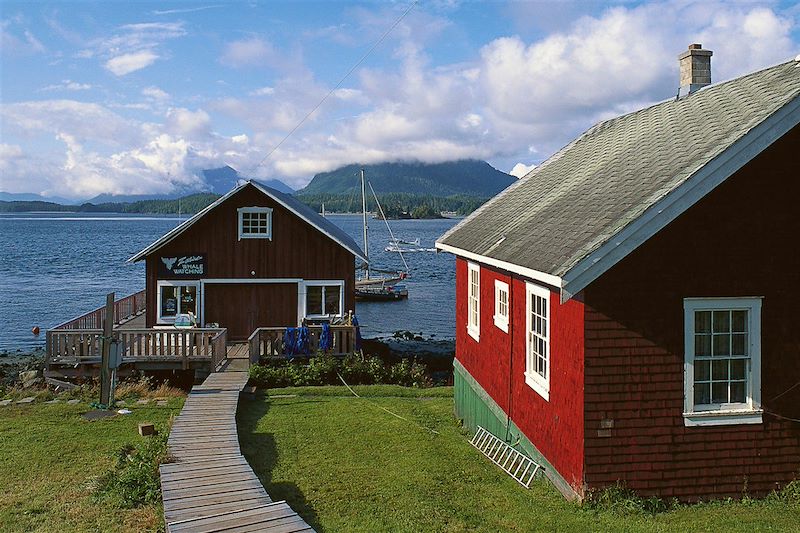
x: 474, y: 333
x: 536, y: 384
x: 723, y: 418
x: 254, y: 236
x: 501, y: 323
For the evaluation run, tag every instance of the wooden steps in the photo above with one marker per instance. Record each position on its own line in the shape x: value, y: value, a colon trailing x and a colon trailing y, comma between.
x: 211, y: 487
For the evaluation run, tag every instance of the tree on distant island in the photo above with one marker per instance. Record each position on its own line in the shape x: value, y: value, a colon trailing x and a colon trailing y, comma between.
x: 425, y: 211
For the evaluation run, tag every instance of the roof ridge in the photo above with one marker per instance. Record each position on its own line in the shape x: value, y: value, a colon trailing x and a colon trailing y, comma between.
x: 587, y: 192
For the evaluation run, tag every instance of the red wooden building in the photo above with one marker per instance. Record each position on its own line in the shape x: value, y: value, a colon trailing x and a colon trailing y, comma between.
x: 254, y: 258
x: 628, y: 310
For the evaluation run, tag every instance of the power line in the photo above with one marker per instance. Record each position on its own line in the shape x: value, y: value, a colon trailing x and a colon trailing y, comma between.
x: 341, y: 81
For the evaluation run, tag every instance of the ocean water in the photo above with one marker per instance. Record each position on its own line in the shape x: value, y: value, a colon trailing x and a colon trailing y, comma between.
x: 55, y: 266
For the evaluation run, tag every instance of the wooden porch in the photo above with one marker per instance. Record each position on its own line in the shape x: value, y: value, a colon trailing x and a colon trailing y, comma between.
x: 74, y: 348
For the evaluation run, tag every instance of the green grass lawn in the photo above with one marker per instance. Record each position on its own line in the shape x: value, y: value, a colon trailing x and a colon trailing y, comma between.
x: 346, y: 465
x: 50, y: 459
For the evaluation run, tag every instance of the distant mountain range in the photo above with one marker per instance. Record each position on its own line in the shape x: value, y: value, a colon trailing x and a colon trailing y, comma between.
x: 466, y: 177
x: 459, y: 186
x: 31, y: 197
x: 222, y: 180
x: 217, y: 180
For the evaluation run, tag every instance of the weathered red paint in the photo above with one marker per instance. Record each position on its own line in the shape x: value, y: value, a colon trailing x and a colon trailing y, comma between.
x: 616, y: 393
x: 740, y: 240
x: 555, y: 427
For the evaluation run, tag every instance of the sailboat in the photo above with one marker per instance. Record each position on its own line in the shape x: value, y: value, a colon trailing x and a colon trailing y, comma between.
x: 388, y: 284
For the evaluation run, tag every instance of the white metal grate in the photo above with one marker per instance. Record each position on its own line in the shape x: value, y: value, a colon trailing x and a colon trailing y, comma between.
x: 516, y: 464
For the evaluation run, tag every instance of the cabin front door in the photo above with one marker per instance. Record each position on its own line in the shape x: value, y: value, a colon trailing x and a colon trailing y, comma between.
x: 243, y: 307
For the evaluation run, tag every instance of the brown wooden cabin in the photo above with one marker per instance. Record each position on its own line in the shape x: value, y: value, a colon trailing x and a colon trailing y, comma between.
x: 254, y: 258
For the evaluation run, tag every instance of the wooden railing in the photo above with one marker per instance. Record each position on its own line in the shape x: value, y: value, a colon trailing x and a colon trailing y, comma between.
x: 152, y: 343
x: 268, y: 342
x: 83, y: 343
x: 126, y: 307
x: 219, y: 349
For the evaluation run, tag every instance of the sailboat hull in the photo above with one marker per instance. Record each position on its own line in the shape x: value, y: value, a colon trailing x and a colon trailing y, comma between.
x: 382, y: 293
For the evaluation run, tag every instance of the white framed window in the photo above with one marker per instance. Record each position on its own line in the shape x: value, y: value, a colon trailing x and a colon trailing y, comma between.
x: 501, y: 305
x: 722, y: 367
x: 324, y: 298
x: 177, y: 298
x: 537, y: 342
x: 474, y: 301
x: 255, y: 223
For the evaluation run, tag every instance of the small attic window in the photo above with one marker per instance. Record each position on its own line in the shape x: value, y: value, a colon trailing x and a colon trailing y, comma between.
x: 255, y: 223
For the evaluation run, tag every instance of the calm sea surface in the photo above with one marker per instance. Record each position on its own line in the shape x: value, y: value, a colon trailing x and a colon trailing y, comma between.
x: 55, y: 266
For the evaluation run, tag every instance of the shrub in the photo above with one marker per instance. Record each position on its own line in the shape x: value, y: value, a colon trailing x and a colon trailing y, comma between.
x: 789, y: 494
x: 354, y: 369
x: 271, y: 376
x: 134, y: 480
x: 619, y: 499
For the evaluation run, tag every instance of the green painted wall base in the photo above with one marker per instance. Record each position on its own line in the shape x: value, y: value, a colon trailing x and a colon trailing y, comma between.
x: 476, y: 408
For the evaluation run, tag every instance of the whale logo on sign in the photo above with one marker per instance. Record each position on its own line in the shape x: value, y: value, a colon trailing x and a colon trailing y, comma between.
x: 169, y: 261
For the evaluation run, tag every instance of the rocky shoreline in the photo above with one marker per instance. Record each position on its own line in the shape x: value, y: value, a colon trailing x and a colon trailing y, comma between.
x: 21, y: 367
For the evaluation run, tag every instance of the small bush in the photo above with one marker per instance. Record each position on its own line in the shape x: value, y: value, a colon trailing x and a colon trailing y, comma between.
x: 134, y: 480
x: 271, y: 376
x: 354, y: 369
x: 789, y: 494
x: 619, y: 499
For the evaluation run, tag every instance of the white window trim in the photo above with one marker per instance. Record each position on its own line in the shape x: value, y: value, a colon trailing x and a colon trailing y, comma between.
x: 474, y: 330
x: 255, y: 209
x: 176, y: 283
x: 323, y: 283
x: 501, y: 321
x: 749, y: 413
x: 532, y: 378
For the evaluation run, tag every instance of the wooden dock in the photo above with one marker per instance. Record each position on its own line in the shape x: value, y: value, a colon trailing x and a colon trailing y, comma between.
x: 211, y: 487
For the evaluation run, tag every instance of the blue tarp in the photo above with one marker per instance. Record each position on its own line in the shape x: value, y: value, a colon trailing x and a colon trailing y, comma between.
x: 295, y: 341
x: 325, y: 339
x: 357, y: 346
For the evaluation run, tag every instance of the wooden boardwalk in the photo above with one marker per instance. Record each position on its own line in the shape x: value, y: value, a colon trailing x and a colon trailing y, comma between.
x: 211, y: 487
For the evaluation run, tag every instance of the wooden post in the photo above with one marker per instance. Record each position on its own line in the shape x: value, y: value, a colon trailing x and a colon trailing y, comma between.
x: 105, y: 370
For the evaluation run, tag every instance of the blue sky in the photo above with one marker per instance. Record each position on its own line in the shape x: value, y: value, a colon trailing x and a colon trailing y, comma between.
x: 136, y: 97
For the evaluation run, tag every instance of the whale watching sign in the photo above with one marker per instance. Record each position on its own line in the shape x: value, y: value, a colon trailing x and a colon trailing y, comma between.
x: 182, y: 266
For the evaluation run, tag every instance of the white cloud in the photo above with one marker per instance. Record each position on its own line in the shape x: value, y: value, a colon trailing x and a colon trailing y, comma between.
x: 67, y: 85
x: 19, y: 40
x: 87, y: 121
x: 188, y: 124
x: 514, y: 102
x: 9, y: 153
x: 263, y: 91
x: 246, y: 52
x: 35, y: 44
x: 154, y: 93
x: 521, y: 169
x: 184, y: 10
x: 133, y: 47
x: 127, y: 63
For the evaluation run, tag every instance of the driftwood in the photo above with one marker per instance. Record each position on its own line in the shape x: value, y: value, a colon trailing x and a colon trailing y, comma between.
x: 58, y: 383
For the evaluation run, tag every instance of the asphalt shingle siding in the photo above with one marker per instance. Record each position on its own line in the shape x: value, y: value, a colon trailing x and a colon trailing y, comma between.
x: 578, y: 199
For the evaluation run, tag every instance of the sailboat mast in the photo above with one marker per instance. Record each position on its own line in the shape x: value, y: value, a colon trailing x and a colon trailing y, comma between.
x: 364, y: 214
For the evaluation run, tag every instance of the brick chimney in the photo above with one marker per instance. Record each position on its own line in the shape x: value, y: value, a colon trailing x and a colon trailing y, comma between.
x: 695, y: 66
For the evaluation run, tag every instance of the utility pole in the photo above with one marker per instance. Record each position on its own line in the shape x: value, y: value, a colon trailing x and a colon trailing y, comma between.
x: 105, y: 362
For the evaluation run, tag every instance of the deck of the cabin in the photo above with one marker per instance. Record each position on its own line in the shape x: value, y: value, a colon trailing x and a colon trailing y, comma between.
x: 74, y: 348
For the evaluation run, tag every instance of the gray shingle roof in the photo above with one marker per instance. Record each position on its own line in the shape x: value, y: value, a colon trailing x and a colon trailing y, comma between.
x: 582, y: 196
